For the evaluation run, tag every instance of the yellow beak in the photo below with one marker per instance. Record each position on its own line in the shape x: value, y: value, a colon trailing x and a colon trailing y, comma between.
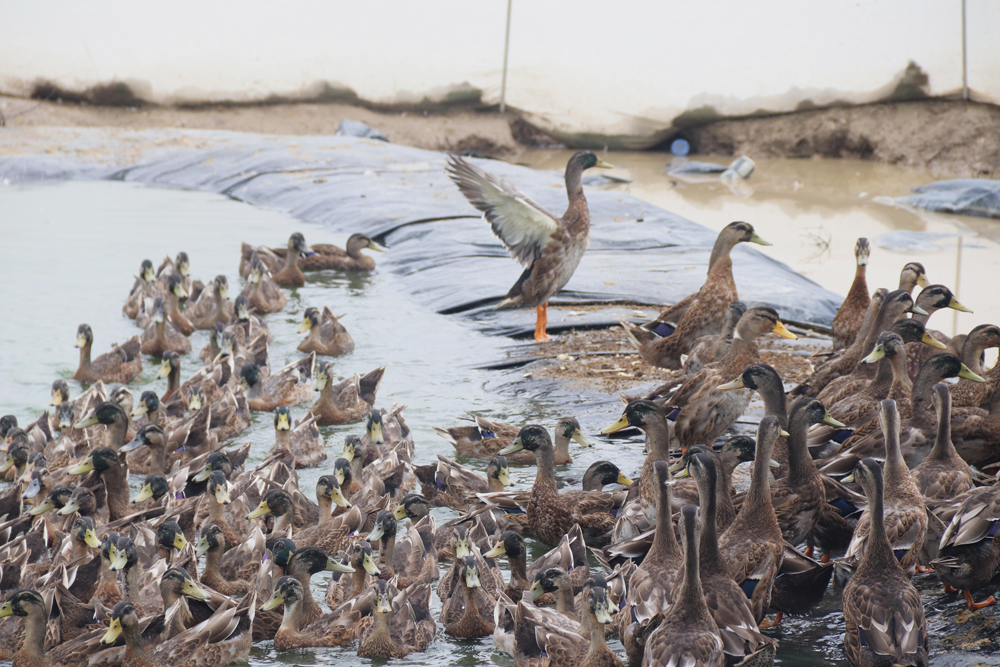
x: 273, y: 603
x: 262, y: 510
x: 758, y: 240
x: 954, y: 304
x: 180, y: 541
x: 6, y: 609
x: 85, y: 467
x: 623, y: 480
x: 515, y: 446
x: 969, y: 375
x: 617, y: 426
x: 504, y: 477
x: 305, y: 326
x: 164, y: 370
x: 370, y: 566
x: 112, y: 634
x: 604, y: 165
x: 145, y: 493
x: 735, y: 384
x: 876, y: 354
x: 933, y: 342
x: 830, y: 421
x: 91, y: 539
x: 580, y: 439
x: 783, y: 331
x: 399, y: 513
x: 195, y: 591
x: 496, y: 551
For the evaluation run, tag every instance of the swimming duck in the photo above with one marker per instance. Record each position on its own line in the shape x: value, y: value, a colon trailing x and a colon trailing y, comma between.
x: 736, y: 450
x: 113, y: 473
x: 905, y: 520
x: 243, y: 319
x: 304, y: 441
x: 550, y: 247
x: 487, y: 437
x: 466, y: 540
x: 288, y: 274
x: 366, y: 572
x: 122, y: 364
x: 711, y: 348
x: 161, y: 335
x: 211, y: 544
x: 332, y: 536
x: 261, y: 292
x: 143, y: 291
x: 753, y: 545
x: 175, y: 292
x: 400, y: 622
x: 726, y: 601
x: 687, y: 635
x: 325, y: 257
x: 179, y: 266
x: 449, y: 484
x: 303, y: 564
x: 549, y: 516
x: 663, y: 341
x: 347, y: 401
x: 850, y: 315
x: 289, y: 386
x: 407, y: 559
x: 468, y: 610
x: 883, y: 615
x: 943, y: 475
x: 212, y: 306
x: 327, y: 336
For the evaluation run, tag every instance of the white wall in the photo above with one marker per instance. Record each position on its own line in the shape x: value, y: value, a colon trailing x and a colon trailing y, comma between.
x: 609, y: 67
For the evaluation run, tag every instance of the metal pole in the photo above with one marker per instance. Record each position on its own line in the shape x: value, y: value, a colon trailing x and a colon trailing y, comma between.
x: 965, y: 58
x: 958, y: 281
x: 506, y: 50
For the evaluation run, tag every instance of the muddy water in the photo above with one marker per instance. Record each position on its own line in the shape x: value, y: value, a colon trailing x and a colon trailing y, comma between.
x: 70, y: 251
x: 813, y: 211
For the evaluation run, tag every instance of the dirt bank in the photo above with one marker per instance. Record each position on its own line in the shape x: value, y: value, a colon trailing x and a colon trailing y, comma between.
x: 950, y: 137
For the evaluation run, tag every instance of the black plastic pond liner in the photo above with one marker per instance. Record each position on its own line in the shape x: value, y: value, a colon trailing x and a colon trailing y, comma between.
x: 447, y: 257
x: 968, y: 196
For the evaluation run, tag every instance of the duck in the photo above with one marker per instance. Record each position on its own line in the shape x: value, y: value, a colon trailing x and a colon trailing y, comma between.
x: 850, y: 315
x: 366, y: 572
x: 303, y: 564
x: 466, y: 540
x: 332, y: 536
x: 602, y: 473
x: 347, y: 401
x: 913, y: 275
x: 211, y: 544
x: 179, y: 266
x: 487, y: 437
x: 549, y: 515
x: 217, y: 495
x: 753, y: 545
x: 511, y: 545
x: 687, y: 635
x: 883, y: 615
x: 174, y: 293
x: 399, y: 624
x: 327, y: 336
x: 969, y: 394
x: 325, y: 257
x: 449, y: 484
x: 549, y: 247
x: 113, y: 473
x: 727, y: 603
x: 222, y: 639
x: 304, y: 441
x: 143, y: 291
x: 288, y: 274
x: 943, y: 475
x: 662, y: 341
x: 194, y: 603
x: 154, y: 487
x: 905, y: 519
x: 712, y: 348
x: 212, y: 307
x: 736, y: 450
x: 468, y: 610
x: 654, y: 584
x: 708, y: 402
x: 161, y: 335
x: 289, y: 386
x: 261, y: 292
x: 243, y: 319
x: 969, y: 553
x: 561, y: 646
x: 31, y: 607
x: 407, y: 560
x: 931, y: 299
x: 121, y: 365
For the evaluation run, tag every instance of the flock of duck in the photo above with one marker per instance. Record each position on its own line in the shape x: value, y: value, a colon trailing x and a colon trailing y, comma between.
x: 875, y: 469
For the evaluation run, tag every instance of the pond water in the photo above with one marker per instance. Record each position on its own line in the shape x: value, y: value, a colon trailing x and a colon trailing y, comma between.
x: 70, y: 251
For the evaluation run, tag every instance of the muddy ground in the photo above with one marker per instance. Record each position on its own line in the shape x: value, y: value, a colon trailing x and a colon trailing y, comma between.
x: 952, y: 138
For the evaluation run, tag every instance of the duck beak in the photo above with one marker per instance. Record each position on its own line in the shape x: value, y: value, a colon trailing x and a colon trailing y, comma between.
x: 472, y: 578
x: 601, y: 614
x: 922, y: 281
x: 145, y: 493
x: 683, y: 473
x: 132, y: 445
x: 85, y: 467
x: 376, y: 534
x: 932, y: 341
x: 349, y: 455
x: 81, y: 341
x: 849, y: 479
x: 201, y: 547
x: 333, y: 565
x: 305, y: 326
x: 202, y: 474
x: 536, y: 591
x: 580, y: 439
x: 462, y: 548
x: 6, y: 609
x: 604, y: 165
x: 56, y: 398
x: 90, y: 538
x: 339, y: 474
x: 917, y: 310
x: 70, y: 507
x: 376, y: 433
x: 222, y: 496
x: 33, y: 488
x: 164, y: 370
x: 623, y: 480
x: 273, y: 603
x: 224, y: 292
x: 735, y: 384
x: 617, y: 426
x: 180, y: 541
x: 376, y: 247
x: 6, y: 463
x: 783, y: 433
x: 119, y: 561
x: 87, y: 422
x: 180, y: 292
x: 194, y: 405
x: 955, y: 305
x: 758, y: 240
x: 113, y: 631
x: 370, y: 566
x: 284, y: 423
x: 830, y: 421
x: 876, y: 354
x: 969, y: 375
x: 193, y: 590
x: 43, y: 508
x: 774, y: 464
x: 399, y: 513
x: 782, y: 330
x: 497, y: 551
x: 339, y: 499
x: 515, y: 446
x: 384, y: 606
x: 504, y: 477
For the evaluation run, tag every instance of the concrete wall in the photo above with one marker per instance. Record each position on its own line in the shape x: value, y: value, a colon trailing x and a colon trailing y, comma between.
x: 587, y: 66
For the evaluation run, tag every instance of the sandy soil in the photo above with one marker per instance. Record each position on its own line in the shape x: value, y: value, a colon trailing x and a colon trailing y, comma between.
x: 951, y: 138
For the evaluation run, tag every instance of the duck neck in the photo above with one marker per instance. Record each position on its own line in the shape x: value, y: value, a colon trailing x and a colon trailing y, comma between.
x: 118, y: 433
x: 215, y: 510
x: 561, y: 446
x: 519, y: 569
x: 759, y: 492
x: 181, y: 620
x: 471, y: 608
x: 545, y: 461
x: 116, y: 487
x: 130, y: 584
x: 160, y: 458
x: 325, y: 508
x: 283, y: 438
x: 106, y: 576
x: 860, y: 274
x: 691, y: 597
x: 160, y: 331
x: 291, y: 621
x: 80, y: 549
x: 944, y: 448
x: 283, y: 522
x: 173, y: 303
x: 380, y: 628
x: 494, y: 484
x: 800, y: 464
x: 658, y: 436
x: 387, y: 549
x: 878, y: 548
x: 882, y: 381
x: 773, y: 395
x: 565, y: 603
x: 34, y: 636
x: 901, y: 384
x: 720, y: 251
x: 134, y: 651
x: 711, y: 560
x: 213, y: 559
x: 895, y: 466
x: 574, y: 185
x: 307, y: 601
x: 598, y: 646
x: 291, y: 257
x: 174, y: 378
x: 85, y: 366
x: 920, y: 396
x: 359, y: 583
x: 972, y: 352
x: 665, y: 548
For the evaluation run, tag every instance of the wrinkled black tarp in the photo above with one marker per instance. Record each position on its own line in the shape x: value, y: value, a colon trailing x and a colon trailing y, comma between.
x: 968, y: 196
x: 448, y: 257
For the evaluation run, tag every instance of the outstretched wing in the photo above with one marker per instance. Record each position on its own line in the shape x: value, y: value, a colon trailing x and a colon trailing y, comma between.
x: 522, y: 225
